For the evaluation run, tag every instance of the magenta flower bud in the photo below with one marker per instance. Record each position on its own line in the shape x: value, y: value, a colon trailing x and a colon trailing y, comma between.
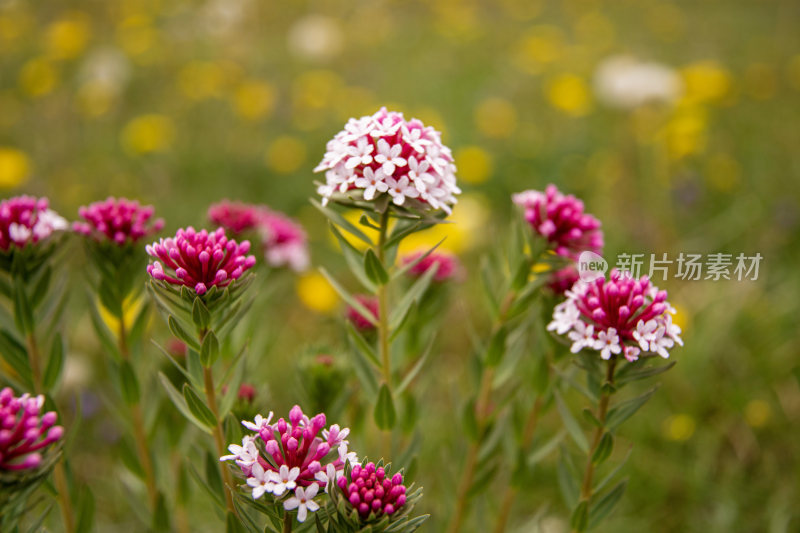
x: 200, y: 289
x: 24, y: 432
x: 204, y: 256
x: 342, y: 483
x: 55, y: 433
x: 397, y: 479
x: 374, y: 489
x: 375, y: 504
x: 401, y: 500
x: 363, y: 509
x: 354, y: 499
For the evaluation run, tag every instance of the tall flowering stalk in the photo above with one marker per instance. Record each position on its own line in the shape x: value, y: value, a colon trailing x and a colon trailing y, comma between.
x: 298, y: 468
x: 200, y: 281
x: 402, y: 179
x: 113, y: 231
x: 626, y: 322
x: 29, y: 241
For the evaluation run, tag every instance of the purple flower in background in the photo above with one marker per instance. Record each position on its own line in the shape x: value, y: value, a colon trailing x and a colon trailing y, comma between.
x: 560, y: 219
x: 27, y: 220
x: 200, y: 259
x: 449, y: 267
x: 235, y: 217
x: 118, y: 220
x: 23, y: 432
x: 285, y: 242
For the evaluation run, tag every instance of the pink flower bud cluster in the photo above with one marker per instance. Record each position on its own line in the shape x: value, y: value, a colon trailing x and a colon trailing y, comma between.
x: 449, y: 265
x: 386, y: 154
x: 118, y: 220
x: 361, y: 322
x: 285, y: 242
x: 200, y: 259
x: 369, y: 490
x: 560, y: 219
x: 618, y: 315
x: 23, y: 432
x: 25, y: 219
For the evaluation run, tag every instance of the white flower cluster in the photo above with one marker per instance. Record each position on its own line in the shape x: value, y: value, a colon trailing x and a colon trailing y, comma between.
x: 384, y: 153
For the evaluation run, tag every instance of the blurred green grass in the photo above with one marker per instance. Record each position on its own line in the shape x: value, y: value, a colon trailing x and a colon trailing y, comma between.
x: 182, y: 103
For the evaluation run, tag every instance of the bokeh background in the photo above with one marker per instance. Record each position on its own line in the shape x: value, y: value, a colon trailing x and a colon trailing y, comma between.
x: 181, y: 103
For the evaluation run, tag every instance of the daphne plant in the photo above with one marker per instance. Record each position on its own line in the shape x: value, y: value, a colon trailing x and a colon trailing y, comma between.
x: 200, y: 281
x: 618, y: 327
x: 113, y: 230
x: 400, y: 179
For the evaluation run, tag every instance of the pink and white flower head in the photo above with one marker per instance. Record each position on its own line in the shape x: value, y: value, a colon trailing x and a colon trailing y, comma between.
x: 285, y: 241
x: 27, y: 220
x: 118, y: 220
x: 355, y: 316
x: 235, y: 217
x: 286, y: 455
x: 24, y: 431
x: 372, y: 492
x: 617, y: 316
x: 448, y: 265
x: 199, y: 259
x: 387, y: 154
x: 560, y: 219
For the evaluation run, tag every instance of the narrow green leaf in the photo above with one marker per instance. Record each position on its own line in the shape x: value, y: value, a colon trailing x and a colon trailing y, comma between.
x: 198, y: 408
x: 385, y: 415
x: 545, y: 449
x: 361, y: 344
x: 54, y: 364
x: 180, y: 403
x: 85, y: 513
x: 348, y: 298
x: 571, y: 424
x: 469, y: 421
x: 414, y: 371
x: 411, y: 295
x: 353, y: 258
x: 580, y: 517
x: 16, y: 355
x: 602, y: 507
x: 496, y: 348
x: 627, y: 409
x: 22, y: 309
x: 161, y: 515
x: 340, y: 221
x: 200, y: 314
x: 41, y: 287
x: 604, y: 448
x: 411, y: 264
x: 179, y: 332
x: 129, y: 383
x: 189, y: 376
x: 209, y: 351
x: 374, y: 269
x: 232, y: 524
x: 589, y: 415
x: 632, y: 372
x: 213, y: 475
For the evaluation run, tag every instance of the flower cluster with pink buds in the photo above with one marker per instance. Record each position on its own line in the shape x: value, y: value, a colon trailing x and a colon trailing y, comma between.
x: 200, y: 259
x: 118, y: 220
x: 297, y: 456
x: 449, y: 267
x: 618, y: 315
x: 560, y: 219
x: 27, y: 220
x: 387, y: 154
x: 372, y: 492
x: 23, y: 432
x: 285, y: 242
x: 361, y: 322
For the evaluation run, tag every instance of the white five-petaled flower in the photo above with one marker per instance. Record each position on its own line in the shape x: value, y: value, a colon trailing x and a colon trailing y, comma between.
x: 372, y: 183
x: 328, y: 475
x: 18, y: 233
x: 401, y: 189
x: 340, y: 435
x: 417, y: 173
x: 303, y: 501
x: 260, y: 481
x: 673, y: 331
x: 631, y: 353
x: 413, y: 136
x: 582, y: 336
x: 609, y: 342
x: 284, y: 479
x: 565, y: 315
x: 645, y: 334
x: 360, y: 154
x: 244, y: 455
x: 259, y: 423
x: 347, y: 457
x: 389, y: 157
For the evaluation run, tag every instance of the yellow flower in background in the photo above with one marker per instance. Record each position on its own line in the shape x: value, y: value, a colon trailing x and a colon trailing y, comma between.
x: 285, y: 154
x: 316, y: 293
x: 353, y: 216
x: 38, y: 77
x: 94, y: 98
x: 541, y: 46
x: 496, y: 117
x: 15, y: 167
x: 569, y: 93
x: 679, y: 427
x: 136, y: 35
x: 67, y: 38
x: 462, y: 231
x: 130, y: 308
x: 722, y: 172
x: 254, y: 99
x: 201, y: 80
x: 705, y: 82
x: 681, y: 316
x: 148, y: 133
x: 685, y: 133
x: 757, y: 413
x: 474, y: 164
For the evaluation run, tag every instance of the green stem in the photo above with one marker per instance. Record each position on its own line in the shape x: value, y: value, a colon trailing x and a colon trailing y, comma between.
x: 287, y: 522
x: 383, y: 325
x: 219, y: 440
x: 139, y: 433
x: 602, y: 411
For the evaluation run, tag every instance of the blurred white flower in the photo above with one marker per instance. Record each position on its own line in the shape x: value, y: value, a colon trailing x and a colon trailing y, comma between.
x: 315, y: 37
x: 106, y: 66
x: 625, y: 82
